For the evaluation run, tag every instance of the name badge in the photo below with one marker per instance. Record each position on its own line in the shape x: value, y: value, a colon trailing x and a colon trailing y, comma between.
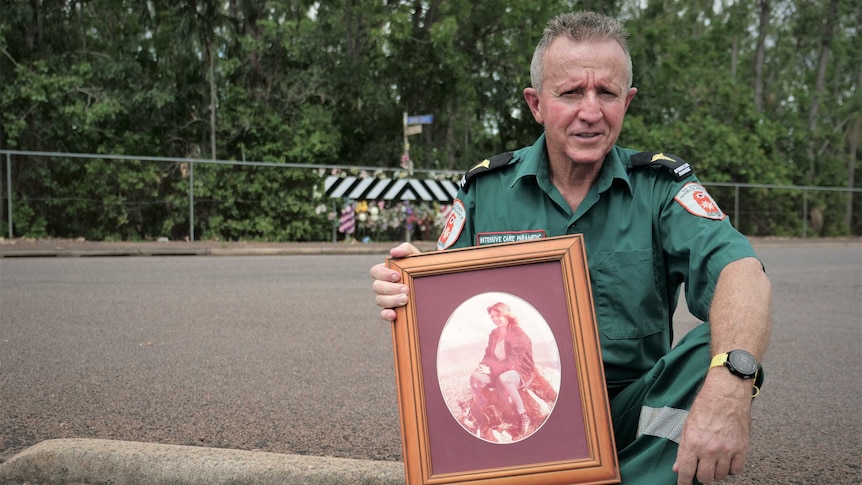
x: 485, y: 238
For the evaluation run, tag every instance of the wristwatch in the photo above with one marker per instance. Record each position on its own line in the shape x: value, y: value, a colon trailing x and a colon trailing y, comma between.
x: 740, y: 363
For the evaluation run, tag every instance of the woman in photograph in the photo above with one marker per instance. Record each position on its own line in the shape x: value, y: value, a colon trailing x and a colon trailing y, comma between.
x: 507, y: 366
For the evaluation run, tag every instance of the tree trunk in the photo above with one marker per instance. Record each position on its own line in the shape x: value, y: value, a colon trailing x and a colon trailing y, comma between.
x: 820, y: 85
x: 3, y: 194
x: 350, y: 37
x: 854, y: 133
x: 851, y: 170
x: 734, y: 59
x: 212, y: 98
x: 760, y: 56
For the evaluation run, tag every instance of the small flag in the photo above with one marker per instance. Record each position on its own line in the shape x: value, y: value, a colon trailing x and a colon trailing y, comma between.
x: 346, y: 224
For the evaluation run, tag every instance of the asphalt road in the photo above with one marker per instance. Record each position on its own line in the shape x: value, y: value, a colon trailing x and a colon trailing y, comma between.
x: 286, y: 354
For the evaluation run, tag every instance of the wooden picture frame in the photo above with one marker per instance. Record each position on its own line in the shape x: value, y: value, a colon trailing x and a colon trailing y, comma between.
x: 455, y: 426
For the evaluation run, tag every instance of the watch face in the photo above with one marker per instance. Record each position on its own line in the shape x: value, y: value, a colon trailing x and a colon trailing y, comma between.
x: 742, y: 363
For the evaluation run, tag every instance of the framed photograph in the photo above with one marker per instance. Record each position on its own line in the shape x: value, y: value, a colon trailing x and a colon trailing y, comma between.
x: 499, y: 367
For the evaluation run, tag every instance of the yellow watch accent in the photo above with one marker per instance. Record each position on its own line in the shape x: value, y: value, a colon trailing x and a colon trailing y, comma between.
x: 718, y: 360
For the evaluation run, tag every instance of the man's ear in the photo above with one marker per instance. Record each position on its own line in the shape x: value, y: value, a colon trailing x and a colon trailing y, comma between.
x: 532, y: 98
x: 630, y: 97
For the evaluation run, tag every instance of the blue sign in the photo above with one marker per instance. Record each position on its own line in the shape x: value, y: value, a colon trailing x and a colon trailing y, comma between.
x: 420, y: 120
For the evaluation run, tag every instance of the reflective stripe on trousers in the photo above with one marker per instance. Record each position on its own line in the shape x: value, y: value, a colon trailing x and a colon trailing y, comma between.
x: 662, y: 422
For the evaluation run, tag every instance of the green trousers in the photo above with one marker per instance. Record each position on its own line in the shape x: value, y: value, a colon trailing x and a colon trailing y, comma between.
x: 649, y: 413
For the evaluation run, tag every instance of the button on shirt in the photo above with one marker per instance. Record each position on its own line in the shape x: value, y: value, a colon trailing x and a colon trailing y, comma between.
x: 641, y: 245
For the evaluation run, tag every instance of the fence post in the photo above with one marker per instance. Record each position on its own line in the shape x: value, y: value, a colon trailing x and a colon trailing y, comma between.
x: 804, y: 213
x: 736, y: 206
x: 191, y: 200
x: 334, y: 222
x: 9, y: 191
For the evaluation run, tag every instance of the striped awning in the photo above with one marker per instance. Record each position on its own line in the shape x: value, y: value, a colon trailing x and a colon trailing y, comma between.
x: 370, y: 188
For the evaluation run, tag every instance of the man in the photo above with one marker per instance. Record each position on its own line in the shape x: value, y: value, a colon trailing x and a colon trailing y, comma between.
x: 679, y: 414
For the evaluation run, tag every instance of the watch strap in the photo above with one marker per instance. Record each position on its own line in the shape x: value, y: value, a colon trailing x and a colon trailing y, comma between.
x: 718, y: 361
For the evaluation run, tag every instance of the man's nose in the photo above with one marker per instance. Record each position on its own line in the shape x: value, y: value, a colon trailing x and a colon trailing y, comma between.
x: 591, y: 110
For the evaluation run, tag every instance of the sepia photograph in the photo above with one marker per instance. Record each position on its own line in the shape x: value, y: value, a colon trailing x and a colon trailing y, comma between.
x: 498, y: 367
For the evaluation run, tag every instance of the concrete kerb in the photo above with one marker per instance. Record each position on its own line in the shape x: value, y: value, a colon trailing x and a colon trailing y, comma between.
x: 91, y: 462
x: 84, y: 249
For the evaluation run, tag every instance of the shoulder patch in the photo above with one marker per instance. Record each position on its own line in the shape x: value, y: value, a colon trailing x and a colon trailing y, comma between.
x: 676, y: 166
x: 454, y: 225
x: 486, y: 165
x: 697, y: 201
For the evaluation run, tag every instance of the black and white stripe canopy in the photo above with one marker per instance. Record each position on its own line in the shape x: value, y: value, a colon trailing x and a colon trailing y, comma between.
x: 370, y: 188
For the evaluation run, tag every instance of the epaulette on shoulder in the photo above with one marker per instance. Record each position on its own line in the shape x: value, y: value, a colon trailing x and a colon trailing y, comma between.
x: 486, y: 165
x: 676, y: 166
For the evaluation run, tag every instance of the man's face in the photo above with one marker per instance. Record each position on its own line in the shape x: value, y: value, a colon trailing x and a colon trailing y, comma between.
x: 583, y: 99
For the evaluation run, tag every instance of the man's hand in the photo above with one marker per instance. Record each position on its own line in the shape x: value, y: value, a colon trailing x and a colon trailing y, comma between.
x: 715, y: 438
x: 387, y: 285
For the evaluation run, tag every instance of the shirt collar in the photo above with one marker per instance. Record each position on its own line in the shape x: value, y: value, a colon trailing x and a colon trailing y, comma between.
x: 614, y: 169
x: 534, y: 163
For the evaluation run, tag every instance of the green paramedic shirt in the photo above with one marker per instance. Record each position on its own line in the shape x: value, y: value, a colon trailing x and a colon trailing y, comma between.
x: 645, y: 234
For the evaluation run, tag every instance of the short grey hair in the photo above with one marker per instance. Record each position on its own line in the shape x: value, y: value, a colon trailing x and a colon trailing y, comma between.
x: 579, y: 26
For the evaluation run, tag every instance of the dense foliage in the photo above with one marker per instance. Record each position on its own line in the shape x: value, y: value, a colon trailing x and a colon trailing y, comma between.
x: 762, y: 92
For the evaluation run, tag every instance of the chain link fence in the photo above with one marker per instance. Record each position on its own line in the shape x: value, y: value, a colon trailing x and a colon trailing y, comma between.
x: 48, y: 194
